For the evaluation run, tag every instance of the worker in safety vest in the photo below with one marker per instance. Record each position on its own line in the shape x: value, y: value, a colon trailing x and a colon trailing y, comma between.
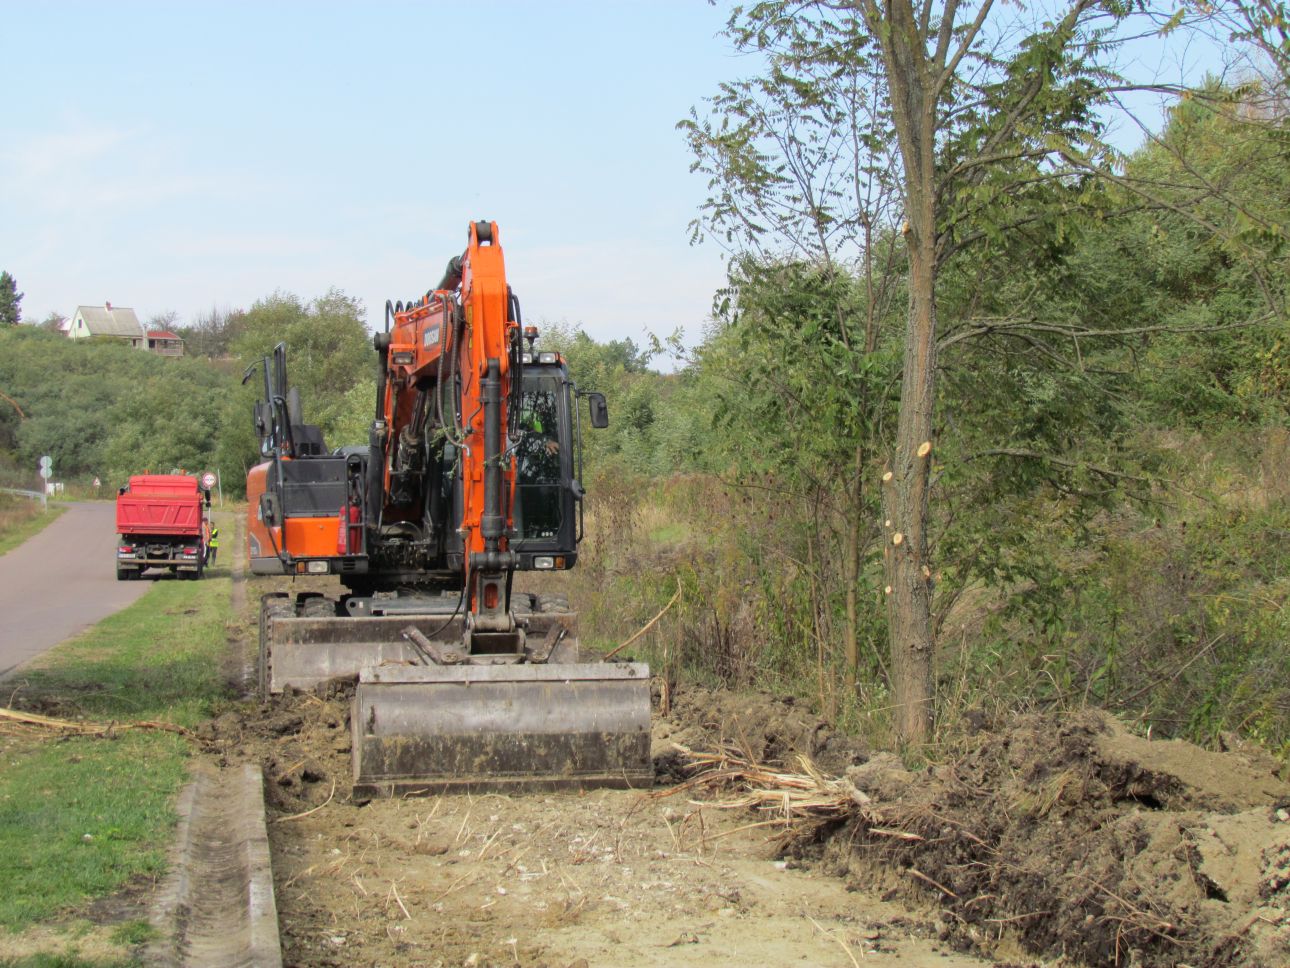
x: 212, y: 545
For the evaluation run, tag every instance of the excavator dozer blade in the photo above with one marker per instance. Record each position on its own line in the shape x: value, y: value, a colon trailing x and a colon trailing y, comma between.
x: 303, y: 652
x: 432, y: 728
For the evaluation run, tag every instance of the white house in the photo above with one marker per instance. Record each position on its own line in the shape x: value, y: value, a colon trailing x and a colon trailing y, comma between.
x: 106, y: 320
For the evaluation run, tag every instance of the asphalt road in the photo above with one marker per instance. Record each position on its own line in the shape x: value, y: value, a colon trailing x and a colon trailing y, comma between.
x: 61, y: 582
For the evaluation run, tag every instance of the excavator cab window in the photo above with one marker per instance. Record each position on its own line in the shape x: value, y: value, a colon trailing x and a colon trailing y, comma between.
x: 541, y: 458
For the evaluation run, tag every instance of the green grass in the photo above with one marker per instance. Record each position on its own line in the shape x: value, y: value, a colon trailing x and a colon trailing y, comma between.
x: 157, y: 659
x: 15, y: 528
x: 80, y: 818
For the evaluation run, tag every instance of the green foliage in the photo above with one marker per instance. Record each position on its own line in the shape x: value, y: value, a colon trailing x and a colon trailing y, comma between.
x: 793, y: 389
x: 101, y: 409
x: 1177, y: 619
x: 10, y: 301
x: 656, y: 426
x: 800, y: 158
x: 1096, y: 321
x: 330, y: 359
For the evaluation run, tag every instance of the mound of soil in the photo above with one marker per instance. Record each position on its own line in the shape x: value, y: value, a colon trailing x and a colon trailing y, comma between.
x: 769, y: 729
x: 1085, y: 841
x: 301, y: 740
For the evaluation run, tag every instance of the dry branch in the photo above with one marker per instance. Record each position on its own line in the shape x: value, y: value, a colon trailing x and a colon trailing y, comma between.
x: 808, y: 795
x: 19, y: 720
x: 647, y: 626
x: 297, y: 816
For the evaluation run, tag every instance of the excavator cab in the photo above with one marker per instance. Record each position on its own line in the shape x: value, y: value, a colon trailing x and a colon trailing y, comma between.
x: 547, y: 507
x: 302, y: 501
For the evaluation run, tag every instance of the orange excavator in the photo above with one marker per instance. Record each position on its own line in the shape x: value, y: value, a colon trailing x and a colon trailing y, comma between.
x: 472, y: 472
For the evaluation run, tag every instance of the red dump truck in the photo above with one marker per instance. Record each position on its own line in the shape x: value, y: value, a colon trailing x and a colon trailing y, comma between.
x: 163, y: 521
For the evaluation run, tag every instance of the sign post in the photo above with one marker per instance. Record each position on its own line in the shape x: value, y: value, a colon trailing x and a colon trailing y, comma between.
x: 46, y: 472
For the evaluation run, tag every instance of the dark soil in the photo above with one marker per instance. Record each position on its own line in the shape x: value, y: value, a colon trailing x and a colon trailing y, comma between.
x: 1085, y: 841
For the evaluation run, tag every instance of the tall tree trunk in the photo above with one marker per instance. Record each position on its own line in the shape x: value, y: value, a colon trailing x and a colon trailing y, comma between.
x: 852, y: 536
x: 905, y: 487
x: 912, y: 80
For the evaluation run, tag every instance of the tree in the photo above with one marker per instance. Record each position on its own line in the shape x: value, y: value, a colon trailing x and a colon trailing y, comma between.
x: 53, y: 322
x: 10, y: 301
x: 162, y: 321
x: 329, y: 353
x: 1260, y: 25
x: 800, y: 162
x: 211, y: 332
x: 969, y: 113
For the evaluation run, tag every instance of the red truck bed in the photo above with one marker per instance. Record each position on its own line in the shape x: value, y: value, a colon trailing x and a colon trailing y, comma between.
x: 160, y: 504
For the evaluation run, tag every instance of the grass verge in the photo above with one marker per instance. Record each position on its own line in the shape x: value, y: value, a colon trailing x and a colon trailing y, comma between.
x: 20, y: 518
x: 84, y: 818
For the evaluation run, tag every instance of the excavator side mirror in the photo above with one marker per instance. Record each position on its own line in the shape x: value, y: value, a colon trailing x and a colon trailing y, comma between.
x: 263, y: 419
x: 599, y: 410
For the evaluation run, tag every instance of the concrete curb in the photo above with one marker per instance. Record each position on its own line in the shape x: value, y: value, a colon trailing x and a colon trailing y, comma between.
x: 216, y: 907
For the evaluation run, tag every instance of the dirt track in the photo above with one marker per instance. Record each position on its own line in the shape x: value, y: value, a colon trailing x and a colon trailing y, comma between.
x: 1046, y: 840
x: 606, y: 878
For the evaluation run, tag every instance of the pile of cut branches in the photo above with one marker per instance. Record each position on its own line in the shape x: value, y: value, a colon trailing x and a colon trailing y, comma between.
x: 737, y: 782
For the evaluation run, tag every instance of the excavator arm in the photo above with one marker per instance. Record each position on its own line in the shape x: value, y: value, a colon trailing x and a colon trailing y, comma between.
x: 451, y: 366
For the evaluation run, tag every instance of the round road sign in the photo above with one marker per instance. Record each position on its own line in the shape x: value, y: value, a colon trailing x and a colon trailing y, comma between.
x: 208, y: 480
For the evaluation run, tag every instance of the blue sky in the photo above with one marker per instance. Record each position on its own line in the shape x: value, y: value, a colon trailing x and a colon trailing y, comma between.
x: 183, y: 155
x: 180, y: 156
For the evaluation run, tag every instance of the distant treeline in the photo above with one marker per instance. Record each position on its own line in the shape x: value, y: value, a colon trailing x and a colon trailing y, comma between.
x: 102, y: 409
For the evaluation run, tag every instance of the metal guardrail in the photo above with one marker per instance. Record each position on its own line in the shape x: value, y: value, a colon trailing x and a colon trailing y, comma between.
x: 34, y: 495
